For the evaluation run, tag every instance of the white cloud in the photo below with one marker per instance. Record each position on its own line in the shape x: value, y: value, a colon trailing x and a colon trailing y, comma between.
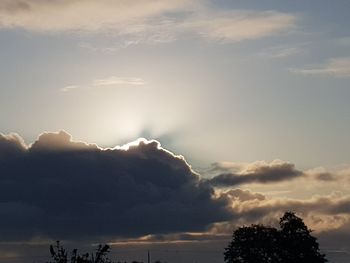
x: 143, y: 21
x: 336, y: 67
x: 240, y: 25
x: 69, y: 88
x: 78, y: 15
x: 110, y: 81
x: 105, y: 82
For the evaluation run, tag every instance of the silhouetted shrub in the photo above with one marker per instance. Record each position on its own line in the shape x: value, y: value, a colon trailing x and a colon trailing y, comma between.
x: 60, y: 255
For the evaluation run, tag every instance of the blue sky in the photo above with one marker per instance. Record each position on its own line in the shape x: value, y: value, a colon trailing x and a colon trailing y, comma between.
x: 232, y: 84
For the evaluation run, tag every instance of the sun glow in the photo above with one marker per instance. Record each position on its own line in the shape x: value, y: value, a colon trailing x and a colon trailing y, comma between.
x: 135, y: 143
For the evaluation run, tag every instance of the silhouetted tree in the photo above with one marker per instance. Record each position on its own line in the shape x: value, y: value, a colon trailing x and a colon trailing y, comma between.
x: 254, y: 244
x: 59, y: 255
x: 293, y: 243
x: 296, y: 241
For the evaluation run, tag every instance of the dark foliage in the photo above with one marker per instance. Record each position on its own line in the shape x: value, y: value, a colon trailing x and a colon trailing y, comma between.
x: 292, y: 243
x: 60, y: 255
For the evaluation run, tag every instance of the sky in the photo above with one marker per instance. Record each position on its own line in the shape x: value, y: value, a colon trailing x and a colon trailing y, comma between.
x: 243, y: 107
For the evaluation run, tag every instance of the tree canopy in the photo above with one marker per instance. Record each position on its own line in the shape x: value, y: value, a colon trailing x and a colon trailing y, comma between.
x: 292, y: 243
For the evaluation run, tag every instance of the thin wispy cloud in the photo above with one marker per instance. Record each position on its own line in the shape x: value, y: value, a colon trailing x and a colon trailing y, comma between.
x: 87, y: 15
x: 336, y: 67
x: 102, y: 49
x: 69, y: 88
x: 343, y: 41
x: 239, y: 25
x: 146, y: 21
x: 280, y: 52
x: 112, y: 81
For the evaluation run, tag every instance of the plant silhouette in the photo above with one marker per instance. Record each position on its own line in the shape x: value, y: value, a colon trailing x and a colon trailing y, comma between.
x: 292, y: 243
x: 60, y: 255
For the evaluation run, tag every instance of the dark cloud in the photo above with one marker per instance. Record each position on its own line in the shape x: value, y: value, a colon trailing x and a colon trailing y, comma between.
x: 339, y: 237
x: 11, y: 144
x: 260, y: 172
x: 325, y: 176
x: 61, y: 189
x: 60, y: 142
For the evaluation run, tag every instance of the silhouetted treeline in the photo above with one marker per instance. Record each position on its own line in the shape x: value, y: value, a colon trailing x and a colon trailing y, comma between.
x: 291, y: 243
x: 61, y: 255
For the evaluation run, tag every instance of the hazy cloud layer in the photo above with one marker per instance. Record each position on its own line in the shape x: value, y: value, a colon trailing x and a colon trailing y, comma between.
x: 257, y: 172
x: 61, y: 189
x: 326, y: 214
x: 338, y: 174
x: 323, y: 214
x: 82, y: 15
x: 336, y: 67
x: 150, y: 21
x: 240, y: 25
x: 284, y: 51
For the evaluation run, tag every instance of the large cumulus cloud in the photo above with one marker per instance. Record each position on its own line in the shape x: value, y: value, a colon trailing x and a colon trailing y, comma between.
x: 62, y: 189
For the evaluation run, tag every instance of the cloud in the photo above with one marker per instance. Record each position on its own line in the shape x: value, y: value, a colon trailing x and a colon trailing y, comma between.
x: 11, y: 144
x: 242, y: 195
x: 78, y: 15
x: 57, y: 188
x: 118, y: 81
x: 333, y: 204
x: 280, y: 52
x: 338, y: 238
x: 325, y: 177
x: 61, y: 189
x: 337, y: 174
x: 240, y: 25
x: 257, y: 172
x: 107, y: 82
x: 60, y: 142
x: 145, y: 21
x: 336, y: 67
x: 322, y: 213
x: 69, y: 88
